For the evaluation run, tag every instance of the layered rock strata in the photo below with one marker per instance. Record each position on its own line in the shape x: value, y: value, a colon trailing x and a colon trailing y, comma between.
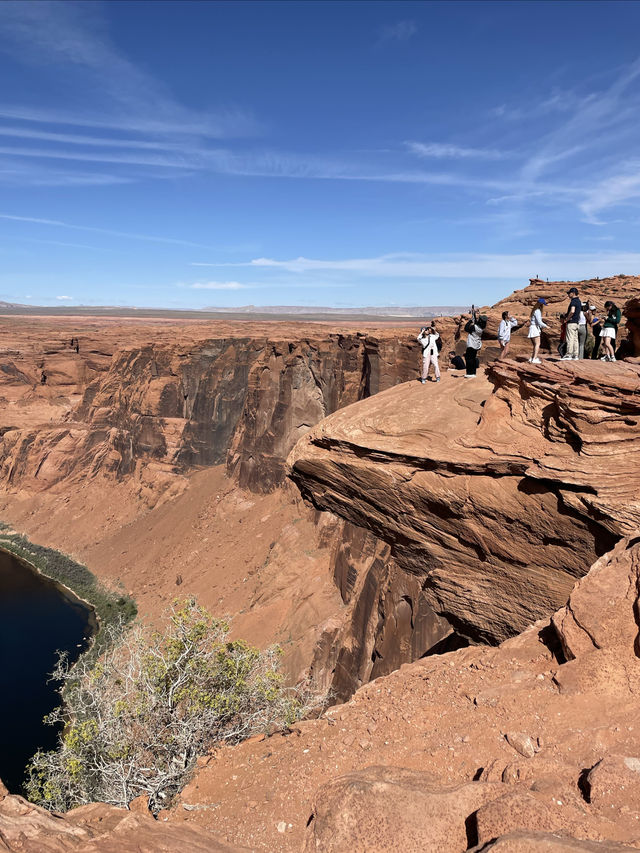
x: 493, y: 498
x: 169, y: 408
x: 505, y: 748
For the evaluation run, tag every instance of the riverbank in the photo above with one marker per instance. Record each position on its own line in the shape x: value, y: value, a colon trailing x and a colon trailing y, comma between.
x: 109, y: 607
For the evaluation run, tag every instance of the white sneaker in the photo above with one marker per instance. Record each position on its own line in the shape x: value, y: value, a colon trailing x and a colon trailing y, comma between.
x: 535, y: 361
x: 612, y: 358
x: 529, y: 360
x: 604, y: 358
x: 576, y: 358
x: 567, y: 357
x: 469, y: 376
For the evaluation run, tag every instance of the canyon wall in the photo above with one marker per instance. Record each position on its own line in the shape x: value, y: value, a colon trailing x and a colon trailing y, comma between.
x: 487, y: 500
x: 169, y: 408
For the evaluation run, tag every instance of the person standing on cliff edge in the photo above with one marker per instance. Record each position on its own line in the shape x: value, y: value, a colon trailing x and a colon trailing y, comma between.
x: 428, y: 340
x: 573, y: 320
x: 536, y: 325
x: 475, y: 327
x: 507, y: 323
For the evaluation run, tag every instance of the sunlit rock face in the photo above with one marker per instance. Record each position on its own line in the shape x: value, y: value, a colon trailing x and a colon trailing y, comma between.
x: 160, y: 410
x: 495, y: 497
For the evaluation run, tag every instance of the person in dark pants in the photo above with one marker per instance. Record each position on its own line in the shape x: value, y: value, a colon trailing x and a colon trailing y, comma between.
x: 456, y: 362
x: 474, y: 327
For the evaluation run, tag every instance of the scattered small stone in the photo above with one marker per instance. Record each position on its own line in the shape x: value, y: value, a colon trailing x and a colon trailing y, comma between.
x: 522, y: 743
x: 281, y: 826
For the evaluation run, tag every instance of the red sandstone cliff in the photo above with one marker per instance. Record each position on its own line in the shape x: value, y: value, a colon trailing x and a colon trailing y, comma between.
x: 467, y: 510
x: 488, y: 500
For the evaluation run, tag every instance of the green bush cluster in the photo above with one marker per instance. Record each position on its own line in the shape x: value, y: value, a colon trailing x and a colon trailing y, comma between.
x: 111, y: 608
x: 136, y: 719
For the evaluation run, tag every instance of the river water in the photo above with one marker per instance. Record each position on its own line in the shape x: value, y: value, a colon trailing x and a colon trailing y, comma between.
x: 38, y: 618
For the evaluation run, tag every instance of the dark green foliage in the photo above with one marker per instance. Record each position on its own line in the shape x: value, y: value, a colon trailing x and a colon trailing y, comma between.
x: 111, y: 608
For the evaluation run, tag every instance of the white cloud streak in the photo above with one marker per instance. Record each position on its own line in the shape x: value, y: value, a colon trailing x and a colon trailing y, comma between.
x: 400, y: 31
x: 75, y: 35
x: 218, y: 285
x: 441, y: 151
x: 107, y: 231
x: 555, y: 265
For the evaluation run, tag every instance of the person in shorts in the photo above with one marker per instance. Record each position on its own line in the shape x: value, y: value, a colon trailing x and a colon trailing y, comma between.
x: 609, y: 331
x: 536, y: 325
x: 507, y: 324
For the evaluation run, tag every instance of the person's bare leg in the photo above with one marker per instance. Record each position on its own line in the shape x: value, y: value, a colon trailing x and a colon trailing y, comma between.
x: 536, y: 347
x: 505, y: 350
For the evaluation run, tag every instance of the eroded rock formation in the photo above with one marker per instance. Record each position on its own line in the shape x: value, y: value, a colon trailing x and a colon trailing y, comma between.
x: 510, y: 746
x: 95, y: 828
x: 162, y: 409
x: 488, y: 501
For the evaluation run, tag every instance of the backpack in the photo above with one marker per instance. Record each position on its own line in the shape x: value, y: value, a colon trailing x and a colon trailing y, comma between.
x: 439, y: 344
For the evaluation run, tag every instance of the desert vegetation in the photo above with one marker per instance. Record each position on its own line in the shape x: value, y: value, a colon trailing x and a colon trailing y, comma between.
x: 136, y: 718
x: 112, y: 608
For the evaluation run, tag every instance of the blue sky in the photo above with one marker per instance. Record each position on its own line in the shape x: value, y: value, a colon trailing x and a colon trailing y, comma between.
x: 199, y: 154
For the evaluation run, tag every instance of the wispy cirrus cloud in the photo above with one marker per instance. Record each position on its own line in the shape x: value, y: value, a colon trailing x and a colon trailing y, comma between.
x: 400, y: 31
x: 587, y: 141
x: 75, y: 35
x: 106, y: 231
x: 612, y: 191
x: 218, y: 285
x: 132, y: 112
x: 558, y: 265
x: 446, y: 151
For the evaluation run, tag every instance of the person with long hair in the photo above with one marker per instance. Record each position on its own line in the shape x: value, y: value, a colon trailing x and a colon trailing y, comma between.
x: 507, y: 323
x: 536, y: 325
x: 609, y: 331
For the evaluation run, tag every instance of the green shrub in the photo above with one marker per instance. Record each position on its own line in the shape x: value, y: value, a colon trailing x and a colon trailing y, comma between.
x: 136, y: 719
x: 111, y: 608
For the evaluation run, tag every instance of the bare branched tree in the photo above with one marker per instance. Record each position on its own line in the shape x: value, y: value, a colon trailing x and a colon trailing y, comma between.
x: 136, y: 719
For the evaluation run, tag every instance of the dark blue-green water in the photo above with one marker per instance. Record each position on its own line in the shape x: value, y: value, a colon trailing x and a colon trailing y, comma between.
x: 38, y: 618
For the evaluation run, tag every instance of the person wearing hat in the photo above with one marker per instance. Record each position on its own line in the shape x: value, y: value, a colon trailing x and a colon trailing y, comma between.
x: 536, y: 325
x: 573, y: 321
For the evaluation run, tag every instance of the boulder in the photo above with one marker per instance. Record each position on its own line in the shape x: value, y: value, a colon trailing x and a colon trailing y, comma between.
x: 390, y: 809
x: 613, y: 784
x: 96, y: 828
x: 543, y: 842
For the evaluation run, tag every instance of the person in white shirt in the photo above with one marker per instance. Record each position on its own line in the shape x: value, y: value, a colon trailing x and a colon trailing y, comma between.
x: 475, y: 327
x: 536, y: 325
x: 504, y: 333
x: 582, y: 329
x: 428, y: 339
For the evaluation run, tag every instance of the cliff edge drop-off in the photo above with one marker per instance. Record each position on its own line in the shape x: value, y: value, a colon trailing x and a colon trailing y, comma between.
x: 458, y: 562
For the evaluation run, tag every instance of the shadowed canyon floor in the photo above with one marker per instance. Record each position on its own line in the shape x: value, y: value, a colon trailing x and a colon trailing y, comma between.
x: 434, y: 517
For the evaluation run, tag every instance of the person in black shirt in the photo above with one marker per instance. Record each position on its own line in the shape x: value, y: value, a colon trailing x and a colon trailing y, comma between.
x: 456, y: 362
x: 573, y: 319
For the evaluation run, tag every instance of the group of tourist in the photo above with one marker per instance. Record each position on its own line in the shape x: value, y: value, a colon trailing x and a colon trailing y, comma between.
x: 583, y: 335
x: 431, y: 343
